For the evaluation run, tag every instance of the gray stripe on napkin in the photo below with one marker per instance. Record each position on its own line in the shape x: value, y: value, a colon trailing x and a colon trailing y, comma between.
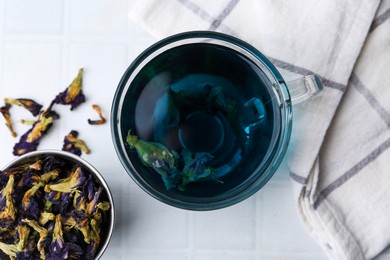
x: 225, y: 12
x: 296, y: 69
x: 380, y: 20
x: 351, y: 172
x: 297, y: 178
x: 367, y: 94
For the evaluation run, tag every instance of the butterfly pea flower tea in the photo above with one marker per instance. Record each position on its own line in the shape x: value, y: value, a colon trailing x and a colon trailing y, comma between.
x: 201, y: 120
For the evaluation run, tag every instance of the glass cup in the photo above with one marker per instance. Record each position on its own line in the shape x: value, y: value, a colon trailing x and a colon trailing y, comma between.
x: 201, y: 120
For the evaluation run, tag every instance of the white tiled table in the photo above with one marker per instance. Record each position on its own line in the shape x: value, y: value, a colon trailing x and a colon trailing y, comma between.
x: 42, y: 45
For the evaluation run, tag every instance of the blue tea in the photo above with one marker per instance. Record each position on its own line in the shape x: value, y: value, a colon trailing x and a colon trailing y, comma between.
x: 200, y: 119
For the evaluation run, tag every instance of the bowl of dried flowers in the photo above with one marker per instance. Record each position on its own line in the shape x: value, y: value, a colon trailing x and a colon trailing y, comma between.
x: 54, y: 205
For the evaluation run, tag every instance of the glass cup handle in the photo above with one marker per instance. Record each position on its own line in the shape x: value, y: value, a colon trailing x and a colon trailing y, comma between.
x: 303, y: 88
x: 253, y: 113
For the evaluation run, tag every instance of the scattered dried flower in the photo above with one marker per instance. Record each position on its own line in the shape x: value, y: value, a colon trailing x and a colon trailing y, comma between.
x: 72, y: 95
x: 100, y: 121
x: 7, y: 116
x: 28, y: 104
x: 30, y: 140
x: 73, y: 144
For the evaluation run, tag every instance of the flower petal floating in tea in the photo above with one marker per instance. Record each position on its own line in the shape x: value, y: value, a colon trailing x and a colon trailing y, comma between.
x: 28, y: 104
x: 100, y: 121
x: 158, y: 157
x: 7, y: 116
x: 72, y: 95
x: 195, y: 167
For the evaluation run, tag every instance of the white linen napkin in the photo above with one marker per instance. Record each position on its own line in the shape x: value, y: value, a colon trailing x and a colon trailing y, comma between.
x: 338, y: 154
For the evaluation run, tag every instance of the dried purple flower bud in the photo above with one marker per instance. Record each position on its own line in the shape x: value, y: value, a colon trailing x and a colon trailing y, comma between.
x: 73, y: 144
x: 7, y: 116
x: 100, y: 121
x: 28, y: 104
x: 72, y: 95
x: 30, y: 140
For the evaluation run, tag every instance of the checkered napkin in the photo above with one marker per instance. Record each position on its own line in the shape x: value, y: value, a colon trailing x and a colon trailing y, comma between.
x: 339, y: 156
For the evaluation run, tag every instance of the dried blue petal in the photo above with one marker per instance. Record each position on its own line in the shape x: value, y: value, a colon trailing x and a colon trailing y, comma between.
x: 7, y: 116
x: 158, y: 157
x: 75, y: 251
x: 73, y: 144
x: 30, y: 140
x: 28, y: 104
x: 50, y: 163
x: 92, y: 205
x: 72, y: 95
x: 88, y: 188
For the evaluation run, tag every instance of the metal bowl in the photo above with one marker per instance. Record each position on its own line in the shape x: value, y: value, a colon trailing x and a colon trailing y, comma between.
x: 108, y: 225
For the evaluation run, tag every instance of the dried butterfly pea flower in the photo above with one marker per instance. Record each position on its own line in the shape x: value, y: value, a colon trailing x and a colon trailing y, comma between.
x: 28, y: 104
x: 72, y: 95
x: 73, y: 144
x: 43, y: 235
x: 7, y: 116
x: 158, y: 157
x: 30, y: 140
x: 69, y: 184
x: 100, y: 121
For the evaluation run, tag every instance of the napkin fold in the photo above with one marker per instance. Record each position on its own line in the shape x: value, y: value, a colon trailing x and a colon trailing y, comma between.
x: 338, y: 155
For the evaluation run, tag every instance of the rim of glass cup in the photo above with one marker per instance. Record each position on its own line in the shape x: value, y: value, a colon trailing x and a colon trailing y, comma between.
x: 281, y: 94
